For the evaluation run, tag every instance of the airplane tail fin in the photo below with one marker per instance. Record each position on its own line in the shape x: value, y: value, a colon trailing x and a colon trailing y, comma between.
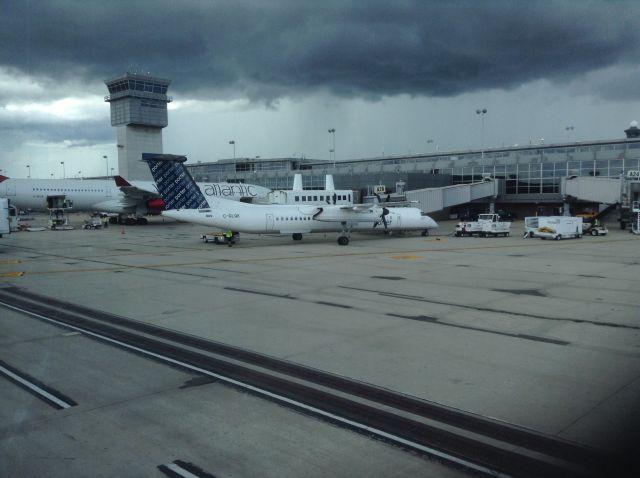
x: 328, y: 183
x: 175, y: 184
x: 3, y: 178
x: 297, y: 182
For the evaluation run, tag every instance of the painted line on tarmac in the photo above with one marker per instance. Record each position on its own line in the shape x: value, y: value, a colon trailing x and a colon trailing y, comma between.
x: 36, y: 388
x: 276, y: 397
x: 183, y: 469
x: 434, y: 320
x: 490, y: 309
x: 258, y: 292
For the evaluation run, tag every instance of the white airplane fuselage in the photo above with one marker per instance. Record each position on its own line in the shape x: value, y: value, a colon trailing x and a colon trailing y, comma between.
x: 293, y: 219
x: 104, y: 195
x: 89, y: 194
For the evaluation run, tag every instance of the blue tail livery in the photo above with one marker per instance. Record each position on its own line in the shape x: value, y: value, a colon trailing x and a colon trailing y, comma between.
x: 175, y: 184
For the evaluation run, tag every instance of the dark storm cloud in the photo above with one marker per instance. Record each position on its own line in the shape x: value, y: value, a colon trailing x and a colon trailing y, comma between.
x: 266, y: 50
x: 72, y: 133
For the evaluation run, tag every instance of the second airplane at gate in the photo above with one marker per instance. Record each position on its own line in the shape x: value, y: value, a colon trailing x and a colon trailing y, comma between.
x: 184, y: 202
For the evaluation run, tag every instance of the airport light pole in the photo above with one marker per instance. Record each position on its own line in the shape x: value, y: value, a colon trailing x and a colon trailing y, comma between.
x: 107, y: 160
x: 28, y: 171
x: 233, y: 143
x: 482, y: 112
x: 332, y: 132
x: 63, y: 174
x: 429, y: 141
x: 568, y: 130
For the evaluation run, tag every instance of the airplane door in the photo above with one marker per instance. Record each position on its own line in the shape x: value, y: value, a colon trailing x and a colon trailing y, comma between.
x: 269, y: 222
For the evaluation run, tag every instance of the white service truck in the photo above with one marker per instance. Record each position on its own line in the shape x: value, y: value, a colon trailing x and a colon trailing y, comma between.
x: 486, y: 225
x: 553, y: 227
x: 5, y: 220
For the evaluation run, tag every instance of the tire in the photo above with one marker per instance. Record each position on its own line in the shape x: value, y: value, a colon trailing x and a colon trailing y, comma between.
x: 558, y: 237
x: 594, y: 232
x: 297, y: 236
x: 343, y: 240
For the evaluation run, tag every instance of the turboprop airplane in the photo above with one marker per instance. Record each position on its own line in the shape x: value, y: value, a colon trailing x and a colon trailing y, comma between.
x: 112, y: 195
x: 184, y: 202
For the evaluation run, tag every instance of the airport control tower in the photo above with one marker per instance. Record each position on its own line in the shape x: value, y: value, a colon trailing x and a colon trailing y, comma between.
x: 139, y: 112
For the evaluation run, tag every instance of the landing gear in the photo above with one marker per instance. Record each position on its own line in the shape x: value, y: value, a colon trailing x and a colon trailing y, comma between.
x: 343, y: 240
x: 426, y: 233
x: 130, y: 220
x: 297, y: 236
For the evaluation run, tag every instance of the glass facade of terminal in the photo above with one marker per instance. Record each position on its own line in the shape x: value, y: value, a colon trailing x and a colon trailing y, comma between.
x: 531, y: 170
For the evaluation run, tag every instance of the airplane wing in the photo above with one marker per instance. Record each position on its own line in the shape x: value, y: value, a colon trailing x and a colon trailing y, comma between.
x: 359, y: 208
x: 140, y: 192
x: 138, y: 188
x: 353, y: 213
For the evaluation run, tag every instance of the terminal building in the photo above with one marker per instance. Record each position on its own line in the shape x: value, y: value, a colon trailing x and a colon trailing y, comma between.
x: 518, y: 181
x: 528, y: 179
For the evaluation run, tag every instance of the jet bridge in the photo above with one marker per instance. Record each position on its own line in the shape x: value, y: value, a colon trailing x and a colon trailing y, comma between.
x: 585, y: 188
x: 622, y: 192
x: 437, y: 199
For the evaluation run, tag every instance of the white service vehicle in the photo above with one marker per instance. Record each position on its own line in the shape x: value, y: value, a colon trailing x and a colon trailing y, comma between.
x: 594, y: 228
x: 553, y: 227
x: 5, y: 221
x: 486, y: 225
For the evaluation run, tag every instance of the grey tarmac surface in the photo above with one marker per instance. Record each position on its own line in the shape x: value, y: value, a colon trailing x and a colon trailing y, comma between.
x: 542, y: 334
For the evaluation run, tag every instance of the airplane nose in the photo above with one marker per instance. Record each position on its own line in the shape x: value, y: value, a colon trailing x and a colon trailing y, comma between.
x: 431, y: 224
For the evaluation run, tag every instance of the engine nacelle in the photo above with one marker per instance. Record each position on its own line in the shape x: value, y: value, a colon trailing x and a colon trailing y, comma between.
x: 155, y: 206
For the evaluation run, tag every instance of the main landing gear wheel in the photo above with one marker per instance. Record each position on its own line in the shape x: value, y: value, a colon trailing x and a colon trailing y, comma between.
x: 343, y: 240
x: 425, y: 232
x: 297, y: 236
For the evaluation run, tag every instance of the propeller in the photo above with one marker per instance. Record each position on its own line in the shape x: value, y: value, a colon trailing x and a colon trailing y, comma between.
x: 385, y: 212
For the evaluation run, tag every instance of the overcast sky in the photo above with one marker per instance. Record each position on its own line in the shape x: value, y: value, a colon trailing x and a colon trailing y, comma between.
x: 391, y: 77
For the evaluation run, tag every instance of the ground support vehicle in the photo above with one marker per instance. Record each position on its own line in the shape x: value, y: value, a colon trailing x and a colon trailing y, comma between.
x: 220, y: 238
x: 58, y: 221
x: 486, y: 225
x: 635, y: 224
x: 5, y: 227
x: 594, y: 229
x: 93, y: 223
x: 553, y: 227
